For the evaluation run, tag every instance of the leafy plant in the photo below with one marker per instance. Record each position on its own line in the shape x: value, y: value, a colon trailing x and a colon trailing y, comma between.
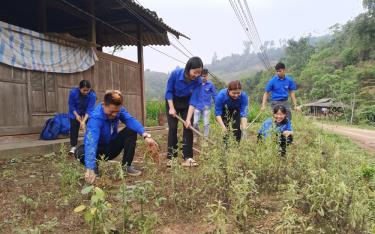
x: 217, y: 216
x: 98, y: 214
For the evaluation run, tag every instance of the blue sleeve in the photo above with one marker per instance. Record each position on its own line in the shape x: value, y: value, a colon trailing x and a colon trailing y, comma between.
x: 292, y: 85
x: 195, y: 97
x: 91, y: 142
x: 244, y: 105
x: 219, y: 105
x: 131, y: 122
x: 91, y: 104
x: 266, y: 126
x: 71, y: 102
x: 170, y: 86
x: 289, y: 126
x: 269, y: 86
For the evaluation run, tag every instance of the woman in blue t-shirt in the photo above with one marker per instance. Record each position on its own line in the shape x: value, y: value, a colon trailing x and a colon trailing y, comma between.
x: 231, y: 106
x: 280, y: 126
x: 181, y: 99
x: 81, y: 103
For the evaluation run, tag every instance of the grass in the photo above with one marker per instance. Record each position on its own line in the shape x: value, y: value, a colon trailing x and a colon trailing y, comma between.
x: 326, y: 184
x: 153, y: 108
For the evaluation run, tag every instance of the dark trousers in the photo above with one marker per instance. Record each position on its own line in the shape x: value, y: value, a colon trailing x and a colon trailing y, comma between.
x: 126, y: 140
x: 74, y: 130
x: 282, y: 141
x: 182, y: 106
x: 232, y: 116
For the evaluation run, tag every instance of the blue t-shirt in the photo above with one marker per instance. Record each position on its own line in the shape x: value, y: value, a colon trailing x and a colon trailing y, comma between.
x: 101, y: 131
x: 207, y: 93
x: 280, y: 88
x: 177, y: 86
x: 270, y: 126
x: 223, y: 99
x: 79, y: 103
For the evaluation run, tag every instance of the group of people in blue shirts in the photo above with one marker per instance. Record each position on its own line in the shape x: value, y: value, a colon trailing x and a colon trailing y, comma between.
x: 189, y: 94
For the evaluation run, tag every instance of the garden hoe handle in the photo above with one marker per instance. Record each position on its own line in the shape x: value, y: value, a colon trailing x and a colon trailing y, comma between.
x: 252, y: 122
x: 195, y: 130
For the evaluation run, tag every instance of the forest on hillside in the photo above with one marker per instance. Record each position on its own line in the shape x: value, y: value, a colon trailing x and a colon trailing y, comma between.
x: 340, y: 66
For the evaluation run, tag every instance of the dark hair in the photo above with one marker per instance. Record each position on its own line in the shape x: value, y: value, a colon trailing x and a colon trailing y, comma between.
x: 279, y: 108
x: 279, y: 66
x: 283, y: 110
x: 204, y: 71
x: 84, y: 84
x: 113, y: 97
x: 235, y: 84
x: 193, y: 63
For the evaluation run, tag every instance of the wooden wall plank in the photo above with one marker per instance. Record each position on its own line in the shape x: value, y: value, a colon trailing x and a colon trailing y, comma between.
x: 39, y: 95
x: 13, y: 103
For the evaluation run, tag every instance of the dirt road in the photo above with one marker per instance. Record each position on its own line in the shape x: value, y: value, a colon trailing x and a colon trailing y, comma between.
x: 363, y: 137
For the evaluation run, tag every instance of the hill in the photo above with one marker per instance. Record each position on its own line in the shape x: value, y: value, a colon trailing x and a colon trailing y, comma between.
x: 235, y: 66
x: 341, y: 66
x: 155, y: 83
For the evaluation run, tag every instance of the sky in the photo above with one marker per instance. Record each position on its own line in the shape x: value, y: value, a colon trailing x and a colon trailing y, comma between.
x: 213, y: 26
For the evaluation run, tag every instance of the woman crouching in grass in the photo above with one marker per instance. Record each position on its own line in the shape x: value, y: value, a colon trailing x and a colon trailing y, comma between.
x: 280, y: 126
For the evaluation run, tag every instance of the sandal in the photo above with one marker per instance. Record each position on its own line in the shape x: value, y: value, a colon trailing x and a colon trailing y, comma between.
x: 189, y: 163
x: 169, y: 163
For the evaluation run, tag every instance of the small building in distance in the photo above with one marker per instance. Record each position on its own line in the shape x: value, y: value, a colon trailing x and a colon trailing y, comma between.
x: 325, y: 107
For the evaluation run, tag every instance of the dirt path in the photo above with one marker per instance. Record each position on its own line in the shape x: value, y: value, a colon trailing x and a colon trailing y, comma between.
x: 363, y: 137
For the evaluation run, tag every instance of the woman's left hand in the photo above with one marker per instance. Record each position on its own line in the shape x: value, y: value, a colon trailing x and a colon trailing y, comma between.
x: 287, y: 133
x: 187, y: 124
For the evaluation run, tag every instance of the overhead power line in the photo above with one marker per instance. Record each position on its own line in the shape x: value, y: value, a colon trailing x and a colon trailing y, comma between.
x: 246, y: 20
x: 125, y: 5
x: 133, y: 37
x: 118, y: 30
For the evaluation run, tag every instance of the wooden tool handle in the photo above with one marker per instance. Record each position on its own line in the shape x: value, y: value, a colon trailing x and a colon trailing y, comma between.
x: 195, y: 130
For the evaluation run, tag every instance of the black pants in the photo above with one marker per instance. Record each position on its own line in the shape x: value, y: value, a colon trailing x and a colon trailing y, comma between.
x: 232, y: 116
x: 182, y: 106
x: 74, y: 130
x: 126, y: 140
x: 282, y: 141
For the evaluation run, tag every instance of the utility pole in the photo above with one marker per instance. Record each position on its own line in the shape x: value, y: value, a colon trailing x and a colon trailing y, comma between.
x: 353, y: 104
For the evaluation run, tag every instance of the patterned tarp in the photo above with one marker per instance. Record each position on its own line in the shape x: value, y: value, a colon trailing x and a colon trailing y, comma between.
x: 27, y: 49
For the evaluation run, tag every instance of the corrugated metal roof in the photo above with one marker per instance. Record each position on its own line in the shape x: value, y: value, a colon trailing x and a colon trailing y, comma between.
x: 118, y: 10
x: 157, y: 19
x: 74, y: 17
x: 326, y: 102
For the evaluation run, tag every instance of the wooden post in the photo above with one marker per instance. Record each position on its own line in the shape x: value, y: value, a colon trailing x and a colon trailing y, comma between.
x: 92, y: 22
x: 141, y: 71
x: 353, y: 104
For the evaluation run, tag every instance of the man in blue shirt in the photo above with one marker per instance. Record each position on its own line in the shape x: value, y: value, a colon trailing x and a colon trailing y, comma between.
x: 280, y: 86
x: 206, y: 95
x: 102, y: 136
